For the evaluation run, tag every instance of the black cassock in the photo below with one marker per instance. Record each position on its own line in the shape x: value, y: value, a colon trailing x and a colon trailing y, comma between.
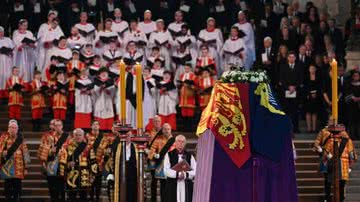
x: 131, y: 175
x: 171, y: 183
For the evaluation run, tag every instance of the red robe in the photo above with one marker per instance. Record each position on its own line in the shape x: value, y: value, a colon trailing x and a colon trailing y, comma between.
x: 204, y: 98
x: 37, y: 100
x: 59, y: 104
x: 187, y: 96
x: 204, y: 62
x: 15, y: 98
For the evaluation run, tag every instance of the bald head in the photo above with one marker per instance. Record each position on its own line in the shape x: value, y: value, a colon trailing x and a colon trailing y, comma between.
x: 166, y: 129
x: 79, y: 135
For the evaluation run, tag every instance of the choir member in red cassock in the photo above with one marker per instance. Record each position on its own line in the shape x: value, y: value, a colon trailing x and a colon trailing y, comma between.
x: 16, y: 87
x: 59, y: 100
x: 205, y: 85
x: 187, y: 94
x: 38, y: 89
x: 205, y: 60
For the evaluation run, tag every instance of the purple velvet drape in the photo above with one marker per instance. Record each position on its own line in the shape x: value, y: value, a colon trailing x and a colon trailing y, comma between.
x: 258, y: 180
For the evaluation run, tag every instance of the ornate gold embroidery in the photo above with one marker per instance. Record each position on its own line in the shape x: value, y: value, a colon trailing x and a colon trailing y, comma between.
x: 225, y: 103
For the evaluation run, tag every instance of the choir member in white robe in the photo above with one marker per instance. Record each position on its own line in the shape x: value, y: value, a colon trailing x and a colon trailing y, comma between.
x: 45, y: 43
x: 112, y: 55
x: 103, y: 38
x: 175, y: 27
x: 61, y: 51
x: 83, y: 101
x: 212, y: 37
x: 133, y: 55
x: 155, y: 54
x: 87, y: 53
x: 157, y: 73
x: 6, y: 61
x: 162, y: 39
x: 184, y: 38
x: 75, y: 40
x: 168, y: 100
x: 179, y: 184
x: 147, y: 26
x: 104, y: 92
x: 24, y: 52
x: 114, y: 72
x: 149, y: 99
x: 180, y: 58
x: 233, y: 51
x: 136, y: 35
x: 249, y: 39
x: 52, y: 14
x: 95, y: 66
x: 86, y: 30
x: 131, y: 97
x: 119, y: 26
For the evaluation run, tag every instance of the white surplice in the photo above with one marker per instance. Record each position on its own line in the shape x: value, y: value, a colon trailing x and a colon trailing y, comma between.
x: 232, y: 46
x: 47, y: 35
x: 147, y: 27
x: 249, y: 40
x: 104, y: 47
x: 214, y: 48
x: 103, y: 102
x: 83, y: 102
x: 26, y: 58
x: 87, y: 28
x: 6, y: 62
x: 167, y: 102
x: 74, y: 41
x: 164, y: 38
x: 169, y: 173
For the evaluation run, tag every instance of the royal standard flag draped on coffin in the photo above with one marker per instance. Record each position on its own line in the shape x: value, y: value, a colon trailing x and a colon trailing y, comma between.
x: 234, y: 109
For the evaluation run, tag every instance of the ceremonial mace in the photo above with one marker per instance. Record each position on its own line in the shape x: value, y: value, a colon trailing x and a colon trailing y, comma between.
x: 335, y: 130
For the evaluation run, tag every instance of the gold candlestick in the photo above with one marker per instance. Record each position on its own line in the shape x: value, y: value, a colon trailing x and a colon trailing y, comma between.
x: 139, y: 97
x: 122, y: 92
x: 334, y: 91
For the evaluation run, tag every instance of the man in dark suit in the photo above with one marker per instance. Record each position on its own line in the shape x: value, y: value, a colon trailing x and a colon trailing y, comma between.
x: 303, y: 59
x: 291, y: 82
x: 267, y: 56
x: 337, y: 38
x: 295, y: 6
x: 269, y: 22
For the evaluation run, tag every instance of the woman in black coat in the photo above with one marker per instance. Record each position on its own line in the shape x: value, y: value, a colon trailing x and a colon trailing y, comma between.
x: 312, y: 94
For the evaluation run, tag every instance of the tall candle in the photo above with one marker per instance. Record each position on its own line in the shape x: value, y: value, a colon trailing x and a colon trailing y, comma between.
x: 122, y: 92
x: 334, y: 90
x: 139, y: 96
